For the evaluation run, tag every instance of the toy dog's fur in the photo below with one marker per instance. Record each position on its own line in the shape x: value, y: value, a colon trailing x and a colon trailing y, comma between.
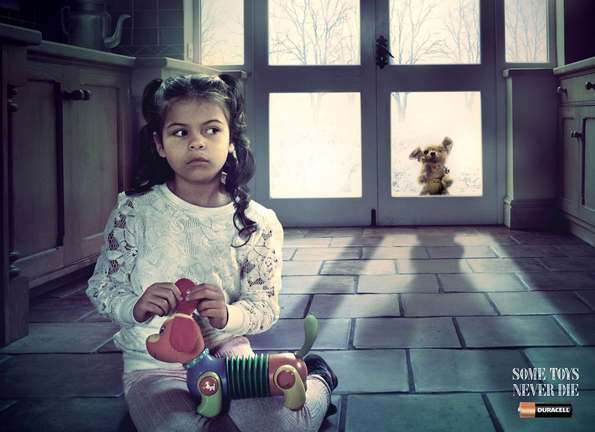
x: 217, y: 380
x: 434, y: 174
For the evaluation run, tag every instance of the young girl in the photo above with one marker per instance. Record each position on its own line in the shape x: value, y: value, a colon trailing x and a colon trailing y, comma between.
x: 190, y: 216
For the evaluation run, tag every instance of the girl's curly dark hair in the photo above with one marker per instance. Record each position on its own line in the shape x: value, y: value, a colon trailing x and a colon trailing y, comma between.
x: 223, y: 90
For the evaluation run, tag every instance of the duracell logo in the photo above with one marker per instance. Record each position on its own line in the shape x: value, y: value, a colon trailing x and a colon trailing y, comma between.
x: 532, y: 410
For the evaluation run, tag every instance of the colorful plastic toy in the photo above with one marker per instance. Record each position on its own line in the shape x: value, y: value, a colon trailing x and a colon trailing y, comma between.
x: 216, y: 381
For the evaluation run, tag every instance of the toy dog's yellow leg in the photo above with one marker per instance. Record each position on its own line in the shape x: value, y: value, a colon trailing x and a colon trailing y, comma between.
x: 288, y: 379
x: 211, y: 401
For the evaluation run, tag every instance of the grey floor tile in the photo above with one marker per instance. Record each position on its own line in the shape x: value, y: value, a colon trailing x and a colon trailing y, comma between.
x: 480, y: 282
x: 457, y: 304
x: 318, y: 285
x: 570, y: 264
x: 537, y: 302
x: 355, y: 305
x: 288, y: 334
x: 77, y: 414
x: 332, y: 423
x: 288, y: 253
x: 381, y: 231
x: 398, y: 283
x: 358, y: 267
x: 411, y: 252
x: 294, y: 233
x: 512, y: 331
x: 61, y: 375
x: 580, y: 327
x: 312, y: 254
x: 528, y: 251
x: 461, y: 252
x: 428, y: 413
x: 582, y: 358
x: 558, y: 281
x: 433, y: 266
x: 505, y: 407
x: 437, y: 370
x: 301, y: 268
x: 306, y: 242
x: 578, y: 250
x: 293, y: 306
x: 545, y: 238
x: 359, y: 241
x: 384, y: 371
x: 405, y: 333
x: 59, y: 309
x: 62, y: 338
x: 588, y: 297
x: 505, y: 265
x: 335, y: 232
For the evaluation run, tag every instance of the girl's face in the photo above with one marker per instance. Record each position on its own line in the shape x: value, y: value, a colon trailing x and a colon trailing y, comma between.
x: 195, y: 140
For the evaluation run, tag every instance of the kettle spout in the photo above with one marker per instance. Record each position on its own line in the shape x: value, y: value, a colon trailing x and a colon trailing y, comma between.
x: 114, y: 40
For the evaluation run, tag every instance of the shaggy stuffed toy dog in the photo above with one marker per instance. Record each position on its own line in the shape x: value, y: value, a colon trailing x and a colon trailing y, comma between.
x: 434, y: 174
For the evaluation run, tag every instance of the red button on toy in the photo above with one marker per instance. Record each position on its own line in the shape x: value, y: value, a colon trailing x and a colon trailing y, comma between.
x: 285, y: 379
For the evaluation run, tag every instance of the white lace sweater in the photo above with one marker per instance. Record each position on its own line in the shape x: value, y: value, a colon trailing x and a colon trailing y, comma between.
x: 158, y: 237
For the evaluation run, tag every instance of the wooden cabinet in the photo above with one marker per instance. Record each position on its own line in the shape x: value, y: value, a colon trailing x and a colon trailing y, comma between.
x: 576, y: 91
x: 70, y: 157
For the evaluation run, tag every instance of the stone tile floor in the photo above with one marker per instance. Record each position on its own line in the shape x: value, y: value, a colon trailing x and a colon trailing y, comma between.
x: 423, y: 326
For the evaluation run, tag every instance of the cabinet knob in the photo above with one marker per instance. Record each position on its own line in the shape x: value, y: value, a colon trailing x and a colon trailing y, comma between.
x: 13, y: 271
x: 589, y: 85
x: 12, y: 106
x: 561, y: 90
x: 13, y: 256
x: 576, y: 134
x: 79, y: 94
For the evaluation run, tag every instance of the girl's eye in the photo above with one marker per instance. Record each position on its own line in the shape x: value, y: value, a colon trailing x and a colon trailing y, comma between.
x: 212, y: 131
x: 180, y: 133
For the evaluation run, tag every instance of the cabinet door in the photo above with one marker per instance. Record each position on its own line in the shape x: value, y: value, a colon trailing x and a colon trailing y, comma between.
x: 95, y: 157
x: 569, y: 160
x: 37, y: 222
x: 587, y: 201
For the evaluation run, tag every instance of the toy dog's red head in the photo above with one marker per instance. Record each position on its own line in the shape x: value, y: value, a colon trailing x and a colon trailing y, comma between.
x: 180, y: 339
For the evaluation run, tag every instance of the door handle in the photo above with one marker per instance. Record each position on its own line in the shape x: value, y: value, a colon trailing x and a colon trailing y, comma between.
x: 382, y: 52
x: 589, y: 85
x: 576, y: 134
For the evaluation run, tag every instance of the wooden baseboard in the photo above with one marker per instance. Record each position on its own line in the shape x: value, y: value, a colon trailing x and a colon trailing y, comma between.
x: 579, y: 228
x: 51, y: 281
x: 530, y: 214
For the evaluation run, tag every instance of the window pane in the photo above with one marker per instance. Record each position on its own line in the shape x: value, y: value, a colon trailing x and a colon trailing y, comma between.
x: 314, y: 32
x: 434, y: 31
x: 422, y: 119
x: 222, y: 32
x: 526, y: 31
x: 315, y: 152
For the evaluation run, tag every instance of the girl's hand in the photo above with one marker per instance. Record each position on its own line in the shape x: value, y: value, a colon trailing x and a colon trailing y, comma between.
x: 158, y: 299
x: 211, y: 303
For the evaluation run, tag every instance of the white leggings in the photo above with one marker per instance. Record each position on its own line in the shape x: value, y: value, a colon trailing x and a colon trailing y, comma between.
x: 158, y: 400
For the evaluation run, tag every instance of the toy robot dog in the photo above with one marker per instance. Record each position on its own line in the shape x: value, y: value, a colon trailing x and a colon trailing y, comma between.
x: 218, y: 380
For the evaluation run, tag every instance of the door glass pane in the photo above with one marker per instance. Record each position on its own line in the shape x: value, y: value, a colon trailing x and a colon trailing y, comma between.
x: 423, y: 119
x: 526, y: 31
x: 434, y: 31
x: 314, y: 32
x: 315, y: 145
x: 221, y: 32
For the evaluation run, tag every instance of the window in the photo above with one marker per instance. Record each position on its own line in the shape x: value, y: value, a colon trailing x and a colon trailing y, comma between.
x: 526, y: 33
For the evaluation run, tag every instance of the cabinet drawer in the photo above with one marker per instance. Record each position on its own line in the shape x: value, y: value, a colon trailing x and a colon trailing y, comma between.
x: 576, y: 89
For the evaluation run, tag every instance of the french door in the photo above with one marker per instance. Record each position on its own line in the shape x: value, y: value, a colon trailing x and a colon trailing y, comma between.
x: 334, y: 127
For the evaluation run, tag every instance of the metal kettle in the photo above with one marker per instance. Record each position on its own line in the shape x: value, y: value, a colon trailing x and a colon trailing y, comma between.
x: 87, y: 24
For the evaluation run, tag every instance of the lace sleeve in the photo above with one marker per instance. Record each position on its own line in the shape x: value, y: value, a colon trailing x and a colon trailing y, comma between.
x: 260, y: 282
x: 109, y: 288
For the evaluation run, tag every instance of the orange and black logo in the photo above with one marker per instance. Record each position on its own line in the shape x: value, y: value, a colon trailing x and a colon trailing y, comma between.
x: 532, y: 410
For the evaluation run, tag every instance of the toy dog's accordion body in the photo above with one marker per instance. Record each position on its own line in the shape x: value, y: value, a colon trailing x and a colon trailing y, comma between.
x: 216, y: 381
